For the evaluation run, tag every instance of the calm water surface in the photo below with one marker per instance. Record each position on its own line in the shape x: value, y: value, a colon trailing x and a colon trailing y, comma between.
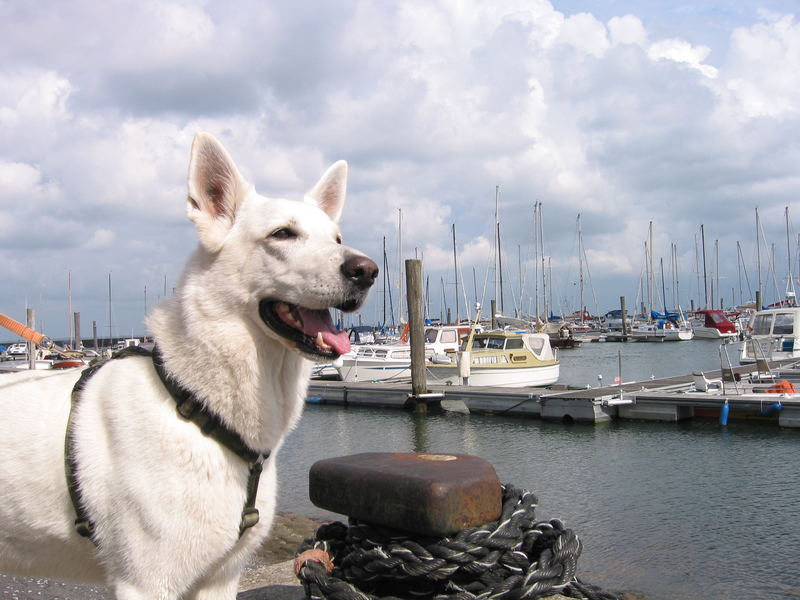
x: 673, y: 511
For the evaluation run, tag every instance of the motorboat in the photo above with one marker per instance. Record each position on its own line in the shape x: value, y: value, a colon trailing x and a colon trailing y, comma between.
x: 715, y: 325
x: 499, y: 358
x: 392, y: 362
x: 774, y: 334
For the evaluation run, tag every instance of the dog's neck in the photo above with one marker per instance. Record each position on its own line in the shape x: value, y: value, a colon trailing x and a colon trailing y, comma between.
x: 254, y: 384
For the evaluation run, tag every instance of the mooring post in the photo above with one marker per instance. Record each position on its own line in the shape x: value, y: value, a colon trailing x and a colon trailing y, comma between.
x: 30, y: 315
x: 77, y: 319
x: 624, y: 317
x: 419, y: 397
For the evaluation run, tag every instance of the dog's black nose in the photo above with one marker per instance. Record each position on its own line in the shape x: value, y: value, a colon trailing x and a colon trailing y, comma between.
x: 360, y: 270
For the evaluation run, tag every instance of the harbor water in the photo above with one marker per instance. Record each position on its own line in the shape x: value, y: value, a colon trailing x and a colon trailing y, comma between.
x: 671, y: 511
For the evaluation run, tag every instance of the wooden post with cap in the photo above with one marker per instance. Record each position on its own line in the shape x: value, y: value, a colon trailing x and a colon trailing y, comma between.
x: 419, y: 399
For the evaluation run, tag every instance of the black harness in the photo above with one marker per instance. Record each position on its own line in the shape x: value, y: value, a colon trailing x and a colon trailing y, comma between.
x: 189, y: 409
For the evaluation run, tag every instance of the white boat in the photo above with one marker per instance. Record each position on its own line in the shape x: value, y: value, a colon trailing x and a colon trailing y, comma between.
x: 654, y: 333
x: 392, y: 362
x: 774, y: 335
x: 501, y: 358
x: 715, y: 325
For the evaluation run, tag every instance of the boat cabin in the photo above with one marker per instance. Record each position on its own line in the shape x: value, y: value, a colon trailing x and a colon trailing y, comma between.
x: 716, y: 319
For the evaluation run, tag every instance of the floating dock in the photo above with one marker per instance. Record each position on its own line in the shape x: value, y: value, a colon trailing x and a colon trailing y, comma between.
x: 669, y: 399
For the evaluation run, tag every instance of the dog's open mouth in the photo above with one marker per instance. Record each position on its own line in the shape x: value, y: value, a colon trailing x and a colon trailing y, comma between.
x: 312, y: 331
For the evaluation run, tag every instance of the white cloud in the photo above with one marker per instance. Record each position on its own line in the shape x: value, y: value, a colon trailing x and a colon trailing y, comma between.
x: 682, y: 51
x: 763, y: 68
x: 627, y: 30
x: 584, y: 32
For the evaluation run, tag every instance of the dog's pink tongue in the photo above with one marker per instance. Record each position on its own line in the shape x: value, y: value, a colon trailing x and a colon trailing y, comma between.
x: 319, y: 321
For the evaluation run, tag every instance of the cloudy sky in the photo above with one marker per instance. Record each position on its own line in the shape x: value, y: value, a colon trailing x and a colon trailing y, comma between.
x: 625, y: 112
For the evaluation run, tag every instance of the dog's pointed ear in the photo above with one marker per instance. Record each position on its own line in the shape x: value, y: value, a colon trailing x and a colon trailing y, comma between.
x: 330, y: 190
x: 216, y: 188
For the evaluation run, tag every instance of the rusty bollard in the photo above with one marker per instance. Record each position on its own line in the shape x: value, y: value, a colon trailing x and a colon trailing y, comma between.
x: 429, y: 494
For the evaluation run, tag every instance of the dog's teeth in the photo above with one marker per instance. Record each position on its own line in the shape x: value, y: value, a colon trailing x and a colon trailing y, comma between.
x: 283, y: 308
x: 321, y: 343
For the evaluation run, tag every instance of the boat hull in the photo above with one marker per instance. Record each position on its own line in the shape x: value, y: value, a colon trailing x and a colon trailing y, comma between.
x: 367, y: 371
x: 489, y: 375
x: 710, y: 333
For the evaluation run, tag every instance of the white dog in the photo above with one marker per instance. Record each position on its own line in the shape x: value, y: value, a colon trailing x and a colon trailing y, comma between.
x: 166, y: 500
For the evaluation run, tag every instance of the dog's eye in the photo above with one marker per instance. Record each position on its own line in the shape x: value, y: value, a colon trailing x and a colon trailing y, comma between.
x: 283, y: 233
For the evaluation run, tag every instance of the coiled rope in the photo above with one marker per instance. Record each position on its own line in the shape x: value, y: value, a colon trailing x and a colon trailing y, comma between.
x: 513, y: 558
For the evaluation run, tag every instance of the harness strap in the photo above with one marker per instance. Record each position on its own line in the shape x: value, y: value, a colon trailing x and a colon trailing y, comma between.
x: 189, y: 409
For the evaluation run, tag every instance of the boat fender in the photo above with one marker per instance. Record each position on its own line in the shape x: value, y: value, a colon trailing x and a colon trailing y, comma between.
x: 724, y: 411
x: 772, y: 409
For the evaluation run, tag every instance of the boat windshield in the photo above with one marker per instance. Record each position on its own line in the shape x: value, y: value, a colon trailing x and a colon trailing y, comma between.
x: 784, y: 324
x: 762, y: 324
x: 492, y: 343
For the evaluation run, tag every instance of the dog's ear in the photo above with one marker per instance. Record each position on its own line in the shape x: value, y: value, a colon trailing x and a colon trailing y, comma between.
x: 330, y: 190
x: 216, y: 188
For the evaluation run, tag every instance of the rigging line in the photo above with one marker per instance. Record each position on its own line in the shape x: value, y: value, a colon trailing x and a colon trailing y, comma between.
x: 591, y: 283
x: 770, y: 262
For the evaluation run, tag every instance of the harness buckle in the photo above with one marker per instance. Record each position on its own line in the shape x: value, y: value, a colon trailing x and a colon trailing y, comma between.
x: 249, y: 518
x: 84, y: 527
x: 187, y: 407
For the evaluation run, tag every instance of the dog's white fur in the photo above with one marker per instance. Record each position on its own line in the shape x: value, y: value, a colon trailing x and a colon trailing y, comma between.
x: 166, y: 500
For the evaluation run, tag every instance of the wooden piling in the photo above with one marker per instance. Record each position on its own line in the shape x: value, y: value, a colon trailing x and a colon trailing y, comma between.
x: 624, y: 317
x: 414, y: 298
x: 77, y: 320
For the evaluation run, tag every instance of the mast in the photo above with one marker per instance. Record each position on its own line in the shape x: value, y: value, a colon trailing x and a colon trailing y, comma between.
x: 385, y: 277
x: 544, y: 269
x: 518, y: 306
x: 110, y: 325
x: 663, y: 288
x: 455, y: 268
x: 716, y: 275
x: 400, y: 257
x: 580, y: 266
x: 705, y: 278
x: 536, y: 257
x: 758, y: 254
x: 69, y: 309
x: 697, y: 266
x: 789, y: 280
x: 651, y: 272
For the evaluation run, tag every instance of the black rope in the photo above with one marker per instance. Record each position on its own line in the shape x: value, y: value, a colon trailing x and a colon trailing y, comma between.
x: 513, y: 558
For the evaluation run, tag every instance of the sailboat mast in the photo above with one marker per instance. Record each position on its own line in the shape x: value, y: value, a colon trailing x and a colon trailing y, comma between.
x: 758, y: 254
x: 651, y: 272
x: 400, y: 257
x: 455, y: 268
x: 716, y: 276
x: 705, y: 278
x: 789, y: 280
x: 496, y: 243
x: 385, y: 276
x: 69, y: 309
x: 663, y: 288
x: 580, y: 265
x: 536, y: 257
x: 544, y: 269
x: 110, y: 328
